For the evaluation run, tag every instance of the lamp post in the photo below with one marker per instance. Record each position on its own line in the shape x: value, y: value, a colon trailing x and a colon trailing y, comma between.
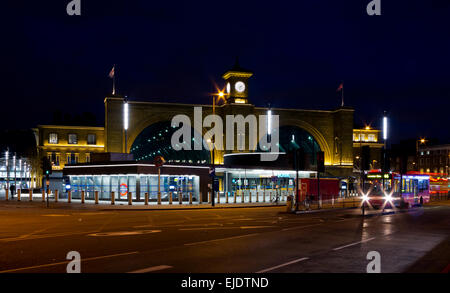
x: 385, y: 136
x: 15, y: 178
x: 125, y: 123
x: 7, y: 169
x: 220, y: 95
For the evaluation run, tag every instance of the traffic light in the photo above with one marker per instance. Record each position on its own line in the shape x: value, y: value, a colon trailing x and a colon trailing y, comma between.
x: 46, y: 166
x: 320, y: 162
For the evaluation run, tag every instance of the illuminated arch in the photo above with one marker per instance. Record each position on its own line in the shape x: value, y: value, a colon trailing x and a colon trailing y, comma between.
x: 155, y: 140
x: 318, y: 137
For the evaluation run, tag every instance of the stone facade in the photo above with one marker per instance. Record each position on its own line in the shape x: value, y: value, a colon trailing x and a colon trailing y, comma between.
x: 333, y: 130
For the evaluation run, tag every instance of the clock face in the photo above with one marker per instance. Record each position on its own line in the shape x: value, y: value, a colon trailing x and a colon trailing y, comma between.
x: 228, y: 88
x: 239, y: 86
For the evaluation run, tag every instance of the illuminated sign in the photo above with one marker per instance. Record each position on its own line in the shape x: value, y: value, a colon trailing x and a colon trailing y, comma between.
x: 378, y: 176
x: 123, y: 189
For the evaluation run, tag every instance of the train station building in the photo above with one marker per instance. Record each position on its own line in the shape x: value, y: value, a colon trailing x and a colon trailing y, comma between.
x: 144, y: 131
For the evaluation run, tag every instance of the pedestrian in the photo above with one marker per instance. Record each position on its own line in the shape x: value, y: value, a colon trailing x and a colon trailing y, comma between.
x: 12, y: 188
x: 421, y: 200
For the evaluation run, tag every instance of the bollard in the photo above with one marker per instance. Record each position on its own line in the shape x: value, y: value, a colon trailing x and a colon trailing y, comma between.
x: 249, y: 196
x: 270, y: 196
x: 113, y: 198
x: 146, y: 198
x: 243, y: 196
x: 130, y: 198
x: 170, y: 197
x: 56, y: 195
x: 31, y: 195
x: 43, y: 194
x: 6, y: 194
x: 180, y: 198
x: 69, y: 196
x: 190, y: 197
x: 209, y: 197
x: 257, y: 196
x: 234, y: 194
x: 159, y: 197
x: 19, y: 191
x: 200, y: 198
x: 226, y: 197
x: 82, y: 196
x: 264, y: 196
x: 218, y: 197
x: 96, y: 196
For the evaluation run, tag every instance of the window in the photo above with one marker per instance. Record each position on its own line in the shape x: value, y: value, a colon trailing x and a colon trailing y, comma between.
x: 73, y: 139
x: 88, y: 157
x: 72, y: 158
x: 53, y: 138
x: 91, y: 139
x: 371, y: 137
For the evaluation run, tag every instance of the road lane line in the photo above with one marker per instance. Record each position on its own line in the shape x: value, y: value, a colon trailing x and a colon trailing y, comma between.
x: 67, y: 261
x: 220, y: 239
x: 38, y: 236
x: 355, y: 243
x: 151, y: 269
x: 282, y: 265
x: 300, y: 227
x: 256, y: 227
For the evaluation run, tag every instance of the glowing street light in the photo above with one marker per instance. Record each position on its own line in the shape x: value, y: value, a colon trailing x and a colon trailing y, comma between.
x: 385, y: 127
x: 125, y: 123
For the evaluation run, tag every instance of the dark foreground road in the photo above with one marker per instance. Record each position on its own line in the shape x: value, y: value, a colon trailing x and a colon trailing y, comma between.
x: 35, y: 239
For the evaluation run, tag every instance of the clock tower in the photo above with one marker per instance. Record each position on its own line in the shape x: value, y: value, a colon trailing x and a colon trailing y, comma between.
x: 237, y: 84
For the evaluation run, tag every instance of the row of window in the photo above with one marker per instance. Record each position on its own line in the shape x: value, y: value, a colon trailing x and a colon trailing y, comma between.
x: 71, y: 158
x: 364, y: 137
x: 440, y: 160
x: 72, y: 138
x: 436, y: 152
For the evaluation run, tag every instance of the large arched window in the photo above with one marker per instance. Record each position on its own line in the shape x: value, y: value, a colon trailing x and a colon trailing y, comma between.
x: 155, y: 140
x: 293, y: 137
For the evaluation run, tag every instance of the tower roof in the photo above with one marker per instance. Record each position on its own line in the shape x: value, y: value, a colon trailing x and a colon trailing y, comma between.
x: 237, y: 70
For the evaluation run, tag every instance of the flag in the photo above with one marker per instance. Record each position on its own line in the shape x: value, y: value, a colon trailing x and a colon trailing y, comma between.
x: 111, y: 73
x: 341, y: 87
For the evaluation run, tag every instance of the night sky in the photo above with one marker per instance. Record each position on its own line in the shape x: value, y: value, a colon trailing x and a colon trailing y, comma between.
x: 300, y: 51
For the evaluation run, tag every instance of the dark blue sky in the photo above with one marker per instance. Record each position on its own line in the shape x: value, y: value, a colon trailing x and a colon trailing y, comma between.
x: 300, y: 51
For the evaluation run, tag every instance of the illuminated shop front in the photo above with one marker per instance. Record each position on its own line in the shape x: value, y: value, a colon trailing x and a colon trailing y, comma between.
x: 136, y: 178
x: 274, y: 181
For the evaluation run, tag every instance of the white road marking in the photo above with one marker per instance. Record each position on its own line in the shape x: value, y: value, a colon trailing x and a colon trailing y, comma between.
x: 151, y: 269
x: 37, y: 236
x: 300, y: 227
x: 355, y: 243
x: 56, y: 215
x: 125, y: 233
x: 65, y: 262
x: 256, y: 227
x: 282, y: 265
x: 220, y: 239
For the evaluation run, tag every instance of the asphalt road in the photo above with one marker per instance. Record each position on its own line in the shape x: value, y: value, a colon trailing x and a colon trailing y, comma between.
x: 248, y: 240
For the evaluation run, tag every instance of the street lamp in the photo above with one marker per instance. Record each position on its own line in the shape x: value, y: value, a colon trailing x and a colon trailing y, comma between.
x: 221, y: 96
x: 7, y: 169
x: 385, y: 137
x: 125, y: 123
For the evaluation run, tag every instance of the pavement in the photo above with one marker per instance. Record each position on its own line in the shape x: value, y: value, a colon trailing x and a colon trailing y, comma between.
x: 247, y: 240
